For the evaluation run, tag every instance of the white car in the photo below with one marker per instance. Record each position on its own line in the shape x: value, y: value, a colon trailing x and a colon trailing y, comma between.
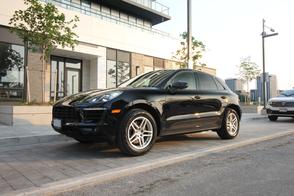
x: 281, y: 106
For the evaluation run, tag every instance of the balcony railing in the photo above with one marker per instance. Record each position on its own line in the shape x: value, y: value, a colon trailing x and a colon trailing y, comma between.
x: 103, y: 16
x: 154, y: 5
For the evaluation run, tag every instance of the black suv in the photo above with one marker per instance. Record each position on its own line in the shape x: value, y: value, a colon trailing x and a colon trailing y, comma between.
x: 154, y: 104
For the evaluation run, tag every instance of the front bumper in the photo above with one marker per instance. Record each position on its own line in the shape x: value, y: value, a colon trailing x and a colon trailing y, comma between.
x: 100, y: 129
x: 282, y: 111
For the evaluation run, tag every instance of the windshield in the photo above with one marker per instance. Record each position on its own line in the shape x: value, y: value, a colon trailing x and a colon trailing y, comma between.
x: 287, y: 93
x: 150, y: 79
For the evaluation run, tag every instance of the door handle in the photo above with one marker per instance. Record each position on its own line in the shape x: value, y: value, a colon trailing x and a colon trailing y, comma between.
x: 223, y: 97
x: 197, y: 97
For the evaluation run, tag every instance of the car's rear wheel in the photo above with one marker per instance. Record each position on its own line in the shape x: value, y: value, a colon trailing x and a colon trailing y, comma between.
x: 273, y: 118
x: 230, y: 125
x: 137, y: 132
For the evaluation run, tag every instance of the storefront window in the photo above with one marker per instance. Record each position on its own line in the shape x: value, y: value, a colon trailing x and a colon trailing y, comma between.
x: 11, y: 71
x: 118, y: 67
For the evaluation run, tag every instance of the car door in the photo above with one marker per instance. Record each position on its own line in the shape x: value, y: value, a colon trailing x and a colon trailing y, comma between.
x: 179, y: 108
x: 211, y: 100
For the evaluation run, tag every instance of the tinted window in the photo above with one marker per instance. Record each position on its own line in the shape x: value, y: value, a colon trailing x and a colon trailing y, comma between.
x: 150, y: 79
x: 219, y: 85
x: 186, y: 77
x: 206, y: 82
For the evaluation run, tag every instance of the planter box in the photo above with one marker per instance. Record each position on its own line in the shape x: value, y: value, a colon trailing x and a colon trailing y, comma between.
x: 25, y: 115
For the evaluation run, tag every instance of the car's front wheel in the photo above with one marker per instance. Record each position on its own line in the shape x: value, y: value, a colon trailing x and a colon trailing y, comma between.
x: 273, y: 118
x: 137, y: 132
x: 230, y: 125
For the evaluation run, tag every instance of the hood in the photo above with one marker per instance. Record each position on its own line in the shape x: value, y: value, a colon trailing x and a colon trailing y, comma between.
x: 84, y: 97
x: 282, y: 99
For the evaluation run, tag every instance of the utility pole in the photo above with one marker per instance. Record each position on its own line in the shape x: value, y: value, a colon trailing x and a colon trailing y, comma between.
x: 265, y: 35
x: 189, y: 33
x: 263, y: 66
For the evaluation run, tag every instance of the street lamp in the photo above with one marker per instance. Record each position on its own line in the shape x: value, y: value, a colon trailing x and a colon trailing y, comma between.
x: 189, y: 33
x: 265, y: 35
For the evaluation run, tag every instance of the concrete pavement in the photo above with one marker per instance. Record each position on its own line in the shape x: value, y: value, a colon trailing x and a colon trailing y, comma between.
x: 50, y: 167
x: 20, y: 135
x: 263, y: 169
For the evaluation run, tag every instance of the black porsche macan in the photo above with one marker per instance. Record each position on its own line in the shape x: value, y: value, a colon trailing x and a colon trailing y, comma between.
x: 149, y: 106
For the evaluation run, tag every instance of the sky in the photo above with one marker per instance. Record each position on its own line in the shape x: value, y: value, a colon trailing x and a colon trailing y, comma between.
x: 231, y: 30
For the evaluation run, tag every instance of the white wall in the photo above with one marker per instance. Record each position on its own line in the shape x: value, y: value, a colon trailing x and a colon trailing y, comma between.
x: 96, y: 31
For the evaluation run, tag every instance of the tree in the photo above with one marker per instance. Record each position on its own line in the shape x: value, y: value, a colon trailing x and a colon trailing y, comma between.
x: 182, y: 54
x: 44, y: 28
x: 248, y: 71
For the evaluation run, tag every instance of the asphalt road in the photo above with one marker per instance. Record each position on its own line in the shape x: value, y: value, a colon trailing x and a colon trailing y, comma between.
x: 266, y: 169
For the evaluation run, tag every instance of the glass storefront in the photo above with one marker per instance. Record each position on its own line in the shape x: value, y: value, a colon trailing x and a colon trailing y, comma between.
x: 65, y: 76
x: 118, y: 67
x: 11, y: 72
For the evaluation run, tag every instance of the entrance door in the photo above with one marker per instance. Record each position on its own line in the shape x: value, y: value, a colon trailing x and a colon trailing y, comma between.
x: 72, y: 81
x: 65, y: 76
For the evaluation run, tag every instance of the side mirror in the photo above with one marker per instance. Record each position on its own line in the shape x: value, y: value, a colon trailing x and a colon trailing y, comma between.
x: 179, y: 85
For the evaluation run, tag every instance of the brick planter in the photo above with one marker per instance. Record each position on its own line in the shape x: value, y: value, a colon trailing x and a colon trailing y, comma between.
x: 25, y: 115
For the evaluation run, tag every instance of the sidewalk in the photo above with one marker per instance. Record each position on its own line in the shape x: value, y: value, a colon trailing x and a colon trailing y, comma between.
x: 33, y: 134
x: 49, y: 168
x: 27, y: 134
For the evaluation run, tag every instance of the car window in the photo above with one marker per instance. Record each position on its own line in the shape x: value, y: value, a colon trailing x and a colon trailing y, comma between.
x: 219, y: 84
x: 206, y: 82
x: 287, y: 93
x: 186, y: 77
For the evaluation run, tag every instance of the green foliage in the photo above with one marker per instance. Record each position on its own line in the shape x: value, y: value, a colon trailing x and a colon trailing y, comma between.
x: 182, y: 54
x: 9, y: 59
x: 248, y: 70
x: 43, y: 26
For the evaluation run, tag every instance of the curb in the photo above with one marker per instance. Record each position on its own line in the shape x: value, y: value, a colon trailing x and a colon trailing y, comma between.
x: 104, y: 176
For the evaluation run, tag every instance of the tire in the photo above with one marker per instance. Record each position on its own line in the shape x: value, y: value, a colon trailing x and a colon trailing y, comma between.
x: 130, y: 139
x: 228, y: 131
x: 273, y: 118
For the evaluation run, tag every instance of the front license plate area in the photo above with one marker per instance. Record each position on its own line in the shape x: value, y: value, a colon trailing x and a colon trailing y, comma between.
x: 283, y: 110
x: 57, y: 123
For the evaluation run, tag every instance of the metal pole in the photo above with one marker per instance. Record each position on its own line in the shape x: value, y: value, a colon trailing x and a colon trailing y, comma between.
x: 263, y: 66
x: 189, y: 33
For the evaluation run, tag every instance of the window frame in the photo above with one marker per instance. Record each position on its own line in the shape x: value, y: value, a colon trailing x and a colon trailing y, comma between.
x: 25, y: 58
x: 116, y: 63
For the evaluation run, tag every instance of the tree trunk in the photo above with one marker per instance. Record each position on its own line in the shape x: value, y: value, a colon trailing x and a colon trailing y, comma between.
x: 28, y: 85
x: 43, y: 74
x: 248, y: 97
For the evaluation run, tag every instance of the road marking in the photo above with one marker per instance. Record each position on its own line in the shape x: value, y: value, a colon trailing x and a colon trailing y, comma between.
x: 112, y: 174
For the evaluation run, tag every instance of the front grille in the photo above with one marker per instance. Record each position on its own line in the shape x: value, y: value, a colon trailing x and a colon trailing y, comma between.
x: 278, y: 112
x: 282, y: 104
x: 65, y: 113
x: 93, y: 115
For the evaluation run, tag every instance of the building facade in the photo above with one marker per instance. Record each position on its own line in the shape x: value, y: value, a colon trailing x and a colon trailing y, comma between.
x: 271, y: 84
x: 235, y: 84
x: 116, y: 41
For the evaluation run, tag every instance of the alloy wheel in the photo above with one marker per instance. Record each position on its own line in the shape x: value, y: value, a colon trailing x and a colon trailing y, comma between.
x: 140, y: 133
x: 232, y: 124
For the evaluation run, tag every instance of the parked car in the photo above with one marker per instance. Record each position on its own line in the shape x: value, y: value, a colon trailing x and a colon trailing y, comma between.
x: 155, y: 104
x: 281, y: 106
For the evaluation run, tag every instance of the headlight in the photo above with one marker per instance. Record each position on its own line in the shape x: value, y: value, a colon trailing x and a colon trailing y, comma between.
x: 105, y: 97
